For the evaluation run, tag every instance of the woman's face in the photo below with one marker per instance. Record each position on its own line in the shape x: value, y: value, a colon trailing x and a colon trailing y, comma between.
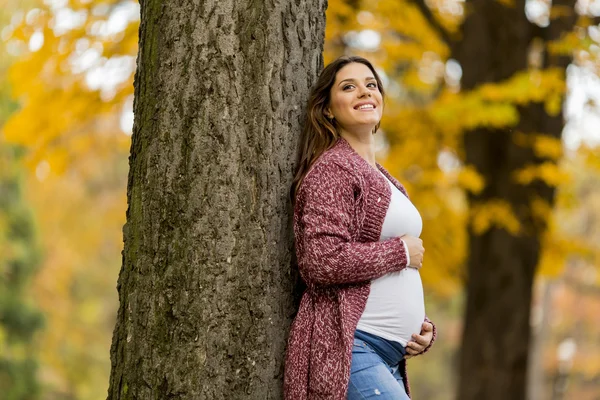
x: 355, y: 100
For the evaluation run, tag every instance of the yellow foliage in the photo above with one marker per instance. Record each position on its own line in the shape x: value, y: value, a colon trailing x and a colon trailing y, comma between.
x: 564, y: 45
x: 547, y: 172
x: 68, y: 104
x: 471, y: 180
x: 556, y: 249
x: 341, y: 19
x: 449, y: 14
x: 458, y: 112
x: 540, y: 209
x: 80, y: 216
x: 494, y: 105
x: 526, y: 87
x: 494, y: 213
x: 571, y: 233
x: 544, y: 146
x: 547, y: 147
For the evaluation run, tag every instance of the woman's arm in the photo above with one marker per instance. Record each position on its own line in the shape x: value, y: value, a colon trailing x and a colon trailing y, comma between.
x: 327, y: 255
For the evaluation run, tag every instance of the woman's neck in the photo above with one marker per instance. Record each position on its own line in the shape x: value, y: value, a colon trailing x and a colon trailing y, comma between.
x: 363, y: 145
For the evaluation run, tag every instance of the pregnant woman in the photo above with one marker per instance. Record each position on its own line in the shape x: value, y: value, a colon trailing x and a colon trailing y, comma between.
x: 358, y: 248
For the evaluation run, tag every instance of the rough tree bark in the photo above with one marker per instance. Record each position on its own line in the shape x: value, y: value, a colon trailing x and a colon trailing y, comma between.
x: 501, y: 266
x: 205, y: 288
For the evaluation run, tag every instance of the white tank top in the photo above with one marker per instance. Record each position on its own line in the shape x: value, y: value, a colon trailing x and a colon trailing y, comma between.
x: 396, y: 307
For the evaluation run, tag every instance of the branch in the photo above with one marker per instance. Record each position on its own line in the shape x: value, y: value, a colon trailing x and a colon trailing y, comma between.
x: 441, y: 31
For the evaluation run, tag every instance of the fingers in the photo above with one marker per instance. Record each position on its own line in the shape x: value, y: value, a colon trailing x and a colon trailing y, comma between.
x: 417, y: 263
x: 427, y: 327
x: 417, y: 267
x: 416, y: 260
x: 413, y: 348
x: 421, y: 340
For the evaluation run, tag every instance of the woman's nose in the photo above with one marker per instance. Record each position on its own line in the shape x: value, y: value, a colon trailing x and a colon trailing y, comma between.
x: 364, y: 93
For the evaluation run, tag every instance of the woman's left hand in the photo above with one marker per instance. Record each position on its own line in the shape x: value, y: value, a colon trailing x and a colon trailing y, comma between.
x: 419, y: 342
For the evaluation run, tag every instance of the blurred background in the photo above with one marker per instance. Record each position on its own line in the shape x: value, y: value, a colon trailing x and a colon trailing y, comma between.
x: 66, y: 101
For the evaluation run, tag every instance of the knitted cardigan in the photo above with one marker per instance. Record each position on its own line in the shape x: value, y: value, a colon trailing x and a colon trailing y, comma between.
x: 339, y: 211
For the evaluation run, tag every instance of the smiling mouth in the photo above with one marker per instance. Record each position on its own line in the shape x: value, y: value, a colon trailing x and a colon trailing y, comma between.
x: 365, y: 107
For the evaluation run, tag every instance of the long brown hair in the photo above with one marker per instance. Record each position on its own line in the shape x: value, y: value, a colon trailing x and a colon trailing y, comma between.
x: 319, y: 133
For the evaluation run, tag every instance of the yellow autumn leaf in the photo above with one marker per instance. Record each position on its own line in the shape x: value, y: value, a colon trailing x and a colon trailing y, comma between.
x: 548, y: 172
x: 471, y: 180
x: 494, y: 213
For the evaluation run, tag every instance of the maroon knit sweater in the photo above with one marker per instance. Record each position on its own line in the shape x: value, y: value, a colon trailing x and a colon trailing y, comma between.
x: 338, y: 216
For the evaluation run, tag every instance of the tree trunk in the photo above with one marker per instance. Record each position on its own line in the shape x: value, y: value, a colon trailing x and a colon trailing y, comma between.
x: 206, y: 286
x: 501, y: 265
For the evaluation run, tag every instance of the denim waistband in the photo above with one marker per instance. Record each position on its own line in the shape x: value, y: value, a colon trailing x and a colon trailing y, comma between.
x: 390, y: 351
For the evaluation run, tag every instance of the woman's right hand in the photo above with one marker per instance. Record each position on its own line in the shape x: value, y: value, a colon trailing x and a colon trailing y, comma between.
x: 415, y: 250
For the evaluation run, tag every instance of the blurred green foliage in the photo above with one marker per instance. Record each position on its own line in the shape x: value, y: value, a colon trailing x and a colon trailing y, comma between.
x: 19, y: 259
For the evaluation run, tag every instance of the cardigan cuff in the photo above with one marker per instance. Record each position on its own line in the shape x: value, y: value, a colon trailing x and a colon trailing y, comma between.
x: 407, y: 253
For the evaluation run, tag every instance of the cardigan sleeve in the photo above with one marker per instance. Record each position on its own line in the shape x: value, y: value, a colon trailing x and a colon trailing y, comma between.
x: 327, y: 255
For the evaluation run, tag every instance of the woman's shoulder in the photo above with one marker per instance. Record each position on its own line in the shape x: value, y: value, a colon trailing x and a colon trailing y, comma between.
x: 339, y: 158
x: 335, y: 170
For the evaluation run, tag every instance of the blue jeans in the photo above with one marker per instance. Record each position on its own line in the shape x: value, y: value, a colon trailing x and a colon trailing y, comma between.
x: 373, y: 378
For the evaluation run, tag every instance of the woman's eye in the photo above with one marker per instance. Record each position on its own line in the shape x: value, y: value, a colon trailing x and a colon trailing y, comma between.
x: 348, y: 87
x: 372, y: 85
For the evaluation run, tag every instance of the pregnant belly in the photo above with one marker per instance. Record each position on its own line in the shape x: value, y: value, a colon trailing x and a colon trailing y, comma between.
x: 395, y: 308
